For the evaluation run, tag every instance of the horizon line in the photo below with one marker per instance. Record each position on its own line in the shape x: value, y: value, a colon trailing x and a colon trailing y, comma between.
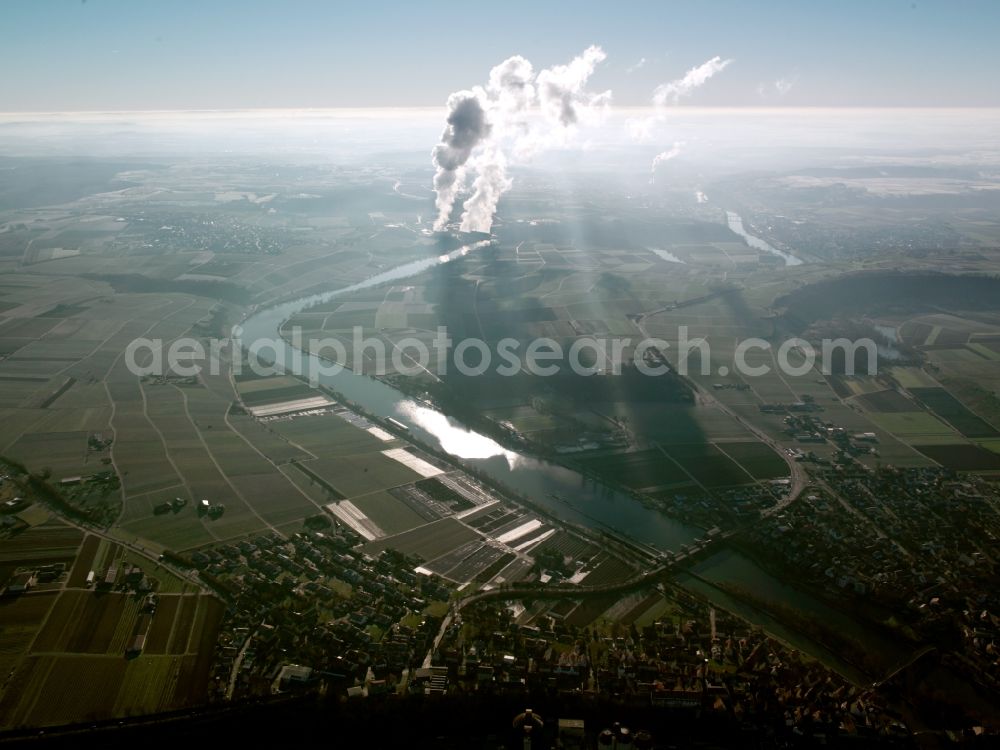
x: 387, y: 109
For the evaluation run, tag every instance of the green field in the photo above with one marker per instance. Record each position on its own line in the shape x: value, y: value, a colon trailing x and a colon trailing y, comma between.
x: 913, y: 425
x: 649, y: 468
x: 951, y: 409
x: 63, y: 645
x: 426, y: 542
x: 758, y: 459
x: 390, y: 514
x: 962, y: 457
x: 710, y: 466
x: 993, y: 445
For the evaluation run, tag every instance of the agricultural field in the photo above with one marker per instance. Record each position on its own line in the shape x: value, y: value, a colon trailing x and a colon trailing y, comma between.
x: 639, y: 470
x: 261, y: 391
x: 427, y: 542
x: 962, y: 457
x: 177, y: 463
x: 993, y: 445
x: 38, y: 537
x: 912, y: 377
x: 473, y: 561
x: 757, y: 459
x: 530, y: 289
x: 950, y: 409
x: 847, y: 386
x: 69, y: 646
x: 888, y: 401
x: 389, y: 513
x: 216, y: 455
x: 922, y: 413
x: 708, y: 465
x: 101, y: 277
x: 345, y: 459
x: 913, y: 426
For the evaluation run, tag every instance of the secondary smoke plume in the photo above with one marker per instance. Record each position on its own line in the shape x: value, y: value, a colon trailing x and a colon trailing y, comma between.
x: 665, y: 156
x: 489, y: 126
x: 777, y: 89
x: 672, y: 92
x: 641, y: 129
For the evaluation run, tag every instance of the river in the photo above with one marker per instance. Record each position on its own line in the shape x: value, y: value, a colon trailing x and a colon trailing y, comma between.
x: 736, y: 225
x: 730, y: 568
x: 561, y: 491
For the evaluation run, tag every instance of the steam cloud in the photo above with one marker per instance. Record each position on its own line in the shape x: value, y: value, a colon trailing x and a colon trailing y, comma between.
x: 671, y: 93
x: 466, y: 128
x: 665, y: 156
x: 561, y: 91
x: 778, y: 88
x: 489, y: 126
x: 668, y: 94
x: 674, y: 91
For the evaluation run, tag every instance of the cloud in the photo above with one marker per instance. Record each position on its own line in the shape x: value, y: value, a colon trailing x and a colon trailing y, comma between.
x: 670, y: 93
x: 783, y: 86
x: 637, y: 66
x: 665, y: 156
x: 776, y: 89
x: 490, y: 125
x: 674, y: 91
x: 560, y: 89
x: 511, y: 90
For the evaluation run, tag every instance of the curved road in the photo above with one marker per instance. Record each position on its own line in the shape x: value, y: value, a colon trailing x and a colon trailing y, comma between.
x: 799, y: 481
x: 797, y: 473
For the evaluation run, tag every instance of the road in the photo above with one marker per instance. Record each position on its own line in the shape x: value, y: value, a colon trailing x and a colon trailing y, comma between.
x: 799, y: 481
x: 895, y: 672
x: 151, y: 555
x: 505, y: 593
x: 861, y: 517
x: 797, y: 473
x: 237, y: 664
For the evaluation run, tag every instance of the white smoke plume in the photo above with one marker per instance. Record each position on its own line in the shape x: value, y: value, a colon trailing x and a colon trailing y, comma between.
x: 671, y: 93
x: 665, y: 156
x: 784, y: 85
x: 489, y: 126
x: 511, y: 90
x: 777, y: 89
x: 674, y: 91
x: 561, y: 93
x: 467, y: 127
x: 492, y: 182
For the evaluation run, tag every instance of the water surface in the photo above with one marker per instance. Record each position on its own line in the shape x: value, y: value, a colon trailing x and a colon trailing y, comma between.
x: 736, y: 225
x: 563, y: 492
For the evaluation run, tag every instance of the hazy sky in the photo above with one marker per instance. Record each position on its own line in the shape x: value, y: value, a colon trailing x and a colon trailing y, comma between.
x: 203, y: 54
